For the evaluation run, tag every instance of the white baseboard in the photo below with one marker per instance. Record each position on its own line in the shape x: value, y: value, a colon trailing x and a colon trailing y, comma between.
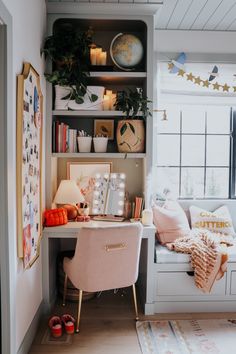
x: 32, y: 330
x: 194, y: 306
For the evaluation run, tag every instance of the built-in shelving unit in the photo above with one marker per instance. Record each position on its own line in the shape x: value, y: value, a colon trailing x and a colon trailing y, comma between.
x: 136, y: 165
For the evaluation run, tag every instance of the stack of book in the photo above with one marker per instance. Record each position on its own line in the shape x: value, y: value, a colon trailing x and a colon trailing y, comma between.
x: 137, y: 207
x: 64, y: 139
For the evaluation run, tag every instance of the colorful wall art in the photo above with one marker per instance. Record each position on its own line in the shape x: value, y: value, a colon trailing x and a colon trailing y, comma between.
x: 29, y: 164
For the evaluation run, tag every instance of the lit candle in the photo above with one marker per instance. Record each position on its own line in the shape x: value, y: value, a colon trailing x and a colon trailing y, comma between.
x: 93, y: 55
x: 147, y: 217
x: 103, y: 58
x: 109, y: 92
x: 98, y: 53
x: 113, y: 101
x: 106, y: 103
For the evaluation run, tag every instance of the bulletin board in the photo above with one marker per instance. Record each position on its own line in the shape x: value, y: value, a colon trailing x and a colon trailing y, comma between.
x: 29, y: 164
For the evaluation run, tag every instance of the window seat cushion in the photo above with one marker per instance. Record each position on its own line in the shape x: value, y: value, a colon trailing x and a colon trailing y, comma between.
x: 163, y: 255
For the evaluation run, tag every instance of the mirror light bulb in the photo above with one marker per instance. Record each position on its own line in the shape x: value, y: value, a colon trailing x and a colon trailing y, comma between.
x: 121, y: 202
x: 120, y: 212
x: 122, y: 176
x: 97, y: 184
x: 121, y: 194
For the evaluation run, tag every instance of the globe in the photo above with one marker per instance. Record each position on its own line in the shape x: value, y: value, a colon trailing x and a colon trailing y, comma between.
x: 126, y: 51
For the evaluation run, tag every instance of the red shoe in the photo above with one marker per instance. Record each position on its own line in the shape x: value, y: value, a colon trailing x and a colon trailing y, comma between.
x: 55, y: 326
x: 68, y: 321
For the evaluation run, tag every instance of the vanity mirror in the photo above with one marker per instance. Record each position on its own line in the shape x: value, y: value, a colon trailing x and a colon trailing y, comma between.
x: 109, y: 194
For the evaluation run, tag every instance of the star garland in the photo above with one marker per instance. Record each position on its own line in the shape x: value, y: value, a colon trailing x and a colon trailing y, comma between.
x: 197, y: 80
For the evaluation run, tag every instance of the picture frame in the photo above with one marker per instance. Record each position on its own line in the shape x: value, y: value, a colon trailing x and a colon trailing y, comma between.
x: 29, y: 164
x: 84, y: 175
x: 104, y: 127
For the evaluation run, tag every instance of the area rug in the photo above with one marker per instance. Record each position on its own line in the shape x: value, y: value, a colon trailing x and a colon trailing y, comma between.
x: 65, y: 339
x: 215, y: 336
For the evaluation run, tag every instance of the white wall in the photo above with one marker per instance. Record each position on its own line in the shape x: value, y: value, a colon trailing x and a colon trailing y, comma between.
x: 29, y: 23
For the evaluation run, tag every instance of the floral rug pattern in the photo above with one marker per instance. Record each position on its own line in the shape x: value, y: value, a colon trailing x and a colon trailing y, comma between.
x: 215, y: 336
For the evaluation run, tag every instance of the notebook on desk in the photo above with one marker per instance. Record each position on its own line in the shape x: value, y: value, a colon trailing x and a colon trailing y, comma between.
x: 108, y: 218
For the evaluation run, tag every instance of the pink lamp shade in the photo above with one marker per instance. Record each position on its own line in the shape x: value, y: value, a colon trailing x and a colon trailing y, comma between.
x: 68, y: 193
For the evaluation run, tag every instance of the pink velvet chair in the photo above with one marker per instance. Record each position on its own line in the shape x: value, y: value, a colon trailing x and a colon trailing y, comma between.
x: 105, y: 258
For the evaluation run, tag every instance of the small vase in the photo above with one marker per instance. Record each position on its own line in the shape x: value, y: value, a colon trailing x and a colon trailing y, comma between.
x: 130, y: 135
x: 100, y: 144
x: 84, y: 143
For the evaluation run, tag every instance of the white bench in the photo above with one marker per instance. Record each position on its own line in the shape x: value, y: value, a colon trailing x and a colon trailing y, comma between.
x: 174, y: 288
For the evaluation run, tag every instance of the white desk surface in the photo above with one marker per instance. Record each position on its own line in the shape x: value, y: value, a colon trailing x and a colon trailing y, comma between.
x: 71, y: 228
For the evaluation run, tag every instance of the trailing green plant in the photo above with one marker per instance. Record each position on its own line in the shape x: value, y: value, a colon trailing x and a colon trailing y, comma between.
x: 131, y: 102
x: 68, y: 48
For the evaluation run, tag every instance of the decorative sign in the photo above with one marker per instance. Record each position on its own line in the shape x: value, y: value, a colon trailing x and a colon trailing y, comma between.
x: 29, y: 164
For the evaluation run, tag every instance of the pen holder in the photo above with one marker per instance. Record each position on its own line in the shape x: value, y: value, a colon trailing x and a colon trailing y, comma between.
x: 84, y: 143
x: 100, y: 144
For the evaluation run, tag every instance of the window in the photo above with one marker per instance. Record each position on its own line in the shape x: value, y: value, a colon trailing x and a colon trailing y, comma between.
x: 193, y: 152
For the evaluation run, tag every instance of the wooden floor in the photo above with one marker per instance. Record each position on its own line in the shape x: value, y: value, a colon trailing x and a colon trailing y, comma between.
x: 107, y: 326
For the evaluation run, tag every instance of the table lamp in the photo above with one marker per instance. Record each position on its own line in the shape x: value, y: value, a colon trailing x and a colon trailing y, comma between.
x: 69, y: 195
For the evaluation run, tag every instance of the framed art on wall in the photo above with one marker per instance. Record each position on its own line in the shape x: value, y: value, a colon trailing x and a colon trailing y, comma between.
x: 29, y: 164
x: 84, y: 174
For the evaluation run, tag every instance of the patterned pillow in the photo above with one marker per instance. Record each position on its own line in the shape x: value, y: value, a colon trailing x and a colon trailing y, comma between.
x: 217, y: 221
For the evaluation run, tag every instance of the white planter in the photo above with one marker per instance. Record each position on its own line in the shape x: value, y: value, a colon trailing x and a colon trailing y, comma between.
x: 88, y: 105
x: 84, y: 143
x: 60, y: 92
x: 63, y: 91
x: 100, y: 144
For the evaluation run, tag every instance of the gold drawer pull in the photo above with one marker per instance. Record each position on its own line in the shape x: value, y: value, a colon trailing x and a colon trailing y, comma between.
x: 115, y: 247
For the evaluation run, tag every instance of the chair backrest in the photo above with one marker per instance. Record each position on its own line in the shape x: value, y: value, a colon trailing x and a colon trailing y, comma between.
x: 106, y: 257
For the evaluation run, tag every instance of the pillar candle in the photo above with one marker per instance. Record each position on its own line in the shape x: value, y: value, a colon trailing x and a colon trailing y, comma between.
x: 103, y: 58
x: 106, y: 103
x: 147, y: 217
x: 93, y: 55
x: 113, y: 101
x: 98, y: 53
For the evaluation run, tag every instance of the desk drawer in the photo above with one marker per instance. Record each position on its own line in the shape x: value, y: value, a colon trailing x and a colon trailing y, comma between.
x: 182, y: 283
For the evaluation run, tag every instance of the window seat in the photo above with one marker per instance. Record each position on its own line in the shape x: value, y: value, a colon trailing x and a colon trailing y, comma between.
x: 163, y: 255
x: 175, y: 290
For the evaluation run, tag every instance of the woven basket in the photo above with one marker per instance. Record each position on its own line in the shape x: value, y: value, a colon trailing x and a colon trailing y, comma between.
x: 72, y: 292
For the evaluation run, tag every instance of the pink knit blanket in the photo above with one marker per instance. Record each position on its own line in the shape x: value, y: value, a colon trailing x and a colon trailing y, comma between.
x: 208, y: 254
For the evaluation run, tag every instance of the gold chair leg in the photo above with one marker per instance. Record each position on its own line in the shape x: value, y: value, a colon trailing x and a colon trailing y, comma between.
x: 135, y: 302
x: 65, y: 290
x: 79, y: 310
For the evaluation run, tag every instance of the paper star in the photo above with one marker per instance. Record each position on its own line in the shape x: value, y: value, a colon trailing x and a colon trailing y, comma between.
x: 190, y: 77
x: 216, y: 86
x: 197, y: 80
x: 181, y: 72
x: 225, y: 87
x: 206, y: 83
x: 170, y: 66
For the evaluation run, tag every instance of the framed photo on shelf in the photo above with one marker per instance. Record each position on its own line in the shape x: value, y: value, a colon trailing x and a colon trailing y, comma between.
x: 29, y: 164
x: 104, y: 127
x: 84, y: 175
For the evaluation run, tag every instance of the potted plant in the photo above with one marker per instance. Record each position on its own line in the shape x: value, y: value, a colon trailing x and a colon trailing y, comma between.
x: 130, y: 133
x: 68, y: 48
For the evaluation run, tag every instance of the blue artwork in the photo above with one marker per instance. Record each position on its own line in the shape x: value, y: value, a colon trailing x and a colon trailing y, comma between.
x: 213, y: 74
x: 178, y: 63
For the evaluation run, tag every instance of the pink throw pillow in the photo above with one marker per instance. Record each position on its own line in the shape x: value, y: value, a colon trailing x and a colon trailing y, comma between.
x: 171, y: 222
